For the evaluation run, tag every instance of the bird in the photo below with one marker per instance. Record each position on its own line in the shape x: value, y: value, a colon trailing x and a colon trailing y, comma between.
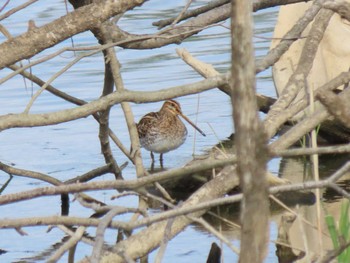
x: 163, y: 131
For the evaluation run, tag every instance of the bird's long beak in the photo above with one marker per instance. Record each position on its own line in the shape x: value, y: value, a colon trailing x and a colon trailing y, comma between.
x: 193, y: 125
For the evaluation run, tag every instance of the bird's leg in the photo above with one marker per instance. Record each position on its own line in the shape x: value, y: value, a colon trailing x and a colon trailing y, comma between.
x: 152, y: 163
x: 161, y: 160
x: 152, y: 157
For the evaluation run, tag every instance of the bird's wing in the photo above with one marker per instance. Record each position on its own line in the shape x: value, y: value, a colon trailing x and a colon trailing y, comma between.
x: 147, y: 121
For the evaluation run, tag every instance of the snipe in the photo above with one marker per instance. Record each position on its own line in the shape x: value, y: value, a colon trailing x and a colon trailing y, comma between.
x: 163, y: 131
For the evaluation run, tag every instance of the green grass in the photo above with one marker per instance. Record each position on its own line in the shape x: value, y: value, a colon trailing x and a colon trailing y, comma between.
x: 340, y: 234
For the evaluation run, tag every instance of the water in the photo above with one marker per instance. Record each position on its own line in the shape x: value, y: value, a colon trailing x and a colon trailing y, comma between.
x: 71, y: 149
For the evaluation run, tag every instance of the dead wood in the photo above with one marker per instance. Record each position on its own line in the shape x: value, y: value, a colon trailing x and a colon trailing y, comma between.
x: 32, y: 42
x: 341, y: 7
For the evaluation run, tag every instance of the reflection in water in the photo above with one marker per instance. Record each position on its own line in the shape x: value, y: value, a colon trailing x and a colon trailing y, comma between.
x: 64, y: 204
x: 45, y: 253
x: 303, y: 233
x: 214, y: 254
x: 3, y: 187
x: 331, y: 196
x: 296, y: 234
x: 284, y: 251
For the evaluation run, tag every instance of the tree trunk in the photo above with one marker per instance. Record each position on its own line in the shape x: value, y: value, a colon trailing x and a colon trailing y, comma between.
x: 250, y: 140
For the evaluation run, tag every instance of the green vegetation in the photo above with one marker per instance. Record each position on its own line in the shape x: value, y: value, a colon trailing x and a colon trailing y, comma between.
x: 340, y: 234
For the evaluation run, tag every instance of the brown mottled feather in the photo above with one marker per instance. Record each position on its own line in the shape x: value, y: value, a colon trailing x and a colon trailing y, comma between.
x: 163, y: 131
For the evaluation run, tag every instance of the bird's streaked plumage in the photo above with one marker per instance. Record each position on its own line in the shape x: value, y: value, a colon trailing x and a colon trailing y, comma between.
x: 163, y: 131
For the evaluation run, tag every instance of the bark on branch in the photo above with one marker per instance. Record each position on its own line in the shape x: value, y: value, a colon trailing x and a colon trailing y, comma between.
x: 38, y: 39
x: 250, y: 139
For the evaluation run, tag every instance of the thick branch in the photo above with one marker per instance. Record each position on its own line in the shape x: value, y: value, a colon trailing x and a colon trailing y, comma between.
x: 207, y: 71
x: 338, y: 106
x: 341, y: 7
x: 173, y: 35
x: 257, y: 5
x: 38, y: 39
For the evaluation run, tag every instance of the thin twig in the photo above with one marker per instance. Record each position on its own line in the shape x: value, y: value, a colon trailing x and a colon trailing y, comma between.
x: 69, y: 231
x: 72, y: 241
x: 336, y: 149
x: 181, y: 14
x: 165, y: 241
x: 100, y: 232
x: 303, y: 219
x: 16, y: 9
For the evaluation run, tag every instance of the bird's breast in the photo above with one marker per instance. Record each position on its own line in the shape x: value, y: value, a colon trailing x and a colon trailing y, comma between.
x: 163, y: 138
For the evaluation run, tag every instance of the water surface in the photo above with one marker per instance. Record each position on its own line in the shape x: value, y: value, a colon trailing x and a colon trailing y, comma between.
x: 70, y: 149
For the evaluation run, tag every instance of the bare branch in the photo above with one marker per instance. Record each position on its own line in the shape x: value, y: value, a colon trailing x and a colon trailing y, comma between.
x: 337, y: 149
x: 38, y: 39
x: 250, y: 139
x: 206, y: 70
x: 71, y: 242
x: 257, y: 5
x: 31, y: 120
x: 336, y: 105
x: 102, y: 226
x: 341, y: 7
